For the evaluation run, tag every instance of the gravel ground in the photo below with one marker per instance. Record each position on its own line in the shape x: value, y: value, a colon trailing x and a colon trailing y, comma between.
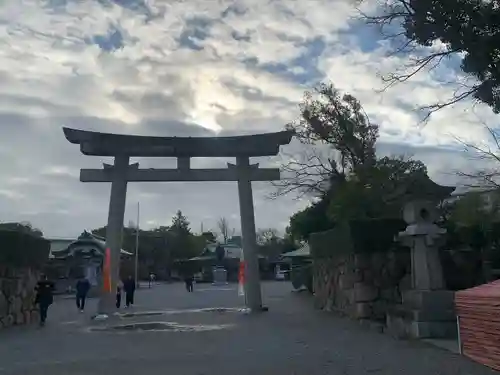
x: 292, y: 338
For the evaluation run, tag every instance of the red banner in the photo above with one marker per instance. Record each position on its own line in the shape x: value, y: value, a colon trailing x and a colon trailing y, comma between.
x: 241, y: 273
x: 106, y: 271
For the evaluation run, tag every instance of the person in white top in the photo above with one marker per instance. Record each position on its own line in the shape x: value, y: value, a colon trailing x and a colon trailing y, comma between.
x: 152, y: 278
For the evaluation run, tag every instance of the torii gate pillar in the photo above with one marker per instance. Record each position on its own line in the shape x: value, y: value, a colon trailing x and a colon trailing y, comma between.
x: 114, y: 229
x: 252, y: 282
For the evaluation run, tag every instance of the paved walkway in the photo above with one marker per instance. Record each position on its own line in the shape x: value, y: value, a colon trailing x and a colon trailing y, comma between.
x: 291, y: 338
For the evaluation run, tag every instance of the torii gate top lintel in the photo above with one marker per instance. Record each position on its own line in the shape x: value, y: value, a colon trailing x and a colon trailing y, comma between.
x: 106, y: 144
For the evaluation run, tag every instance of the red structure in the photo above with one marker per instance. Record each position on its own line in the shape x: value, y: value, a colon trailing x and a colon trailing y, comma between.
x: 107, y: 271
x: 478, y: 311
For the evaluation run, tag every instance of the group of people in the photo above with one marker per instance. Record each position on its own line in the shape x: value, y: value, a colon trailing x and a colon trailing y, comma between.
x: 45, y: 289
x: 128, y: 286
x: 45, y: 294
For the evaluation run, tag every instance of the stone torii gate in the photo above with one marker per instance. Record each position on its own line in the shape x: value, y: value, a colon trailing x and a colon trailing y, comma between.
x: 123, y: 147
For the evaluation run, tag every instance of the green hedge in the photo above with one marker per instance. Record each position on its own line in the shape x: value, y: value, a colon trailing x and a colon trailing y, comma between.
x: 375, y: 235
x: 357, y: 236
x: 18, y: 249
x: 331, y: 242
x: 475, y: 236
x: 483, y: 239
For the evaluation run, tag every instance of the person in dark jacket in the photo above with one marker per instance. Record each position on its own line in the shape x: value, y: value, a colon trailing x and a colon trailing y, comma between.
x: 44, y: 297
x: 82, y: 289
x: 129, y: 289
x: 189, y: 279
x: 119, y: 288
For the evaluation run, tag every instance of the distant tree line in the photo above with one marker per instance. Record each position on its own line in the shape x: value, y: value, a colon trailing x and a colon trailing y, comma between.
x: 161, y: 247
x: 24, y: 227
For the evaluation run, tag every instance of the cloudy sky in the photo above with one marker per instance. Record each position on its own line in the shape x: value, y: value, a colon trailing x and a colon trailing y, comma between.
x: 190, y: 68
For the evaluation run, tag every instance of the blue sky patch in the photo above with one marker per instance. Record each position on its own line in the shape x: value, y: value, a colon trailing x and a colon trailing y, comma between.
x: 195, y: 32
x: 109, y: 42
x: 302, y: 70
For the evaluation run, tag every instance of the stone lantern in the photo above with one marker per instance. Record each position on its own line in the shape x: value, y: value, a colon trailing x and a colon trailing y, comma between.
x: 423, y: 237
x: 427, y: 310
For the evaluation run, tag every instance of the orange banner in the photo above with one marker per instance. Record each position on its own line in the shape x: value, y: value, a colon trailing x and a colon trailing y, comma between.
x: 241, y: 273
x: 106, y: 271
x: 241, y: 278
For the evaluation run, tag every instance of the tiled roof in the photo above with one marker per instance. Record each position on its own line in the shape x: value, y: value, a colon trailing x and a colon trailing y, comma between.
x: 304, y: 251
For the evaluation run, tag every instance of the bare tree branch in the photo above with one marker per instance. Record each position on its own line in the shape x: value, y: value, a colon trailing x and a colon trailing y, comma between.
x: 390, y: 20
x: 224, y: 229
x: 307, y: 173
x: 484, y: 177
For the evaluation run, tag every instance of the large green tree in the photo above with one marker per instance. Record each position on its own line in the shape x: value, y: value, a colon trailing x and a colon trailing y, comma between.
x: 467, y: 30
x: 380, y: 190
x: 339, y: 140
x: 347, y: 178
x: 180, y: 225
x: 182, y: 244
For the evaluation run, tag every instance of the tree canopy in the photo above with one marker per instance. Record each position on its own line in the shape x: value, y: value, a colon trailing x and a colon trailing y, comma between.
x: 341, y: 139
x: 347, y: 178
x: 475, y: 208
x: 271, y: 244
x: 465, y: 29
x: 180, y: 225
x: 313, y: 219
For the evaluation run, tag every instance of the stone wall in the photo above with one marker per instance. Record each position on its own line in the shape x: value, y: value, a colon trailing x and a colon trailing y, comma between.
x: 17, y: 296
x: 357, y: 283
x: 22, y: 257
x: 361, y: 286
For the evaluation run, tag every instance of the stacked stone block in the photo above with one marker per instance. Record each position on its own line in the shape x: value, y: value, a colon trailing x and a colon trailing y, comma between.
x: 362, y: 286
x: 17, y: 296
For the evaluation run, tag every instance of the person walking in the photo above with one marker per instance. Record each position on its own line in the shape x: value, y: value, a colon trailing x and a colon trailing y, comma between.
x: 44, y: 297
x: 82, y: 289
x: 189, y: 282
x: 119, y: 288
x: 151, y: 279
x: 129, y: 289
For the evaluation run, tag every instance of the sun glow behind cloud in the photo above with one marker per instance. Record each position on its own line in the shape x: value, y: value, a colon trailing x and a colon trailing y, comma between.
x: 190, y: 68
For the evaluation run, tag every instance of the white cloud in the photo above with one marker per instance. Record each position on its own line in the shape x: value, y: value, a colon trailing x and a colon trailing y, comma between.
x: 129, y: 69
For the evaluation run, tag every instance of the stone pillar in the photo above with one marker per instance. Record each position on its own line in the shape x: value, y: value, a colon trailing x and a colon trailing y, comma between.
x: 114, y: 230
x: 427, y: 272
x: 252, y: 275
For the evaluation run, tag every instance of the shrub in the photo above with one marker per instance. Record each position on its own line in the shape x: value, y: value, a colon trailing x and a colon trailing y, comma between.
x: 357, y: 236
x: 20, y: 249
